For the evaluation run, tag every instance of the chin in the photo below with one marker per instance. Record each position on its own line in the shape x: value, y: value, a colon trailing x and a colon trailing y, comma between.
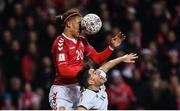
x: 78, y: 35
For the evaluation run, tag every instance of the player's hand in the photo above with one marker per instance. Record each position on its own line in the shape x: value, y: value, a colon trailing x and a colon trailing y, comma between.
x: 129, y: 58
x: 117, y: 40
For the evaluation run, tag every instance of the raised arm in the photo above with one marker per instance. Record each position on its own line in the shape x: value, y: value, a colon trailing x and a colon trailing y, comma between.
x: 128, y: 58
x: 98, y: 58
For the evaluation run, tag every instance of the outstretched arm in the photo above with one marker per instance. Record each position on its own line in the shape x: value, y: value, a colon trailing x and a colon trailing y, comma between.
x: 98, y: 58
x: 128, y: 58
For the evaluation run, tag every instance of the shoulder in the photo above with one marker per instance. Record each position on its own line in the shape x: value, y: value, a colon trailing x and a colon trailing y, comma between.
x: 59, y: 41
x: 83, y: 39
x: 88, y: 96
x: 87, y: 99
x: 88, y: 93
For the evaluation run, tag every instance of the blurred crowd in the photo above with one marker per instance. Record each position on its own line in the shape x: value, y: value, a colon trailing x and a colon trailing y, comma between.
x: 152, y: 27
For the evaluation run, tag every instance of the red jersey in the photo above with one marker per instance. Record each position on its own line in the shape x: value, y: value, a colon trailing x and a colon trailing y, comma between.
x: 68, y: 56
x: 120, y: 96
x: 28, y: 67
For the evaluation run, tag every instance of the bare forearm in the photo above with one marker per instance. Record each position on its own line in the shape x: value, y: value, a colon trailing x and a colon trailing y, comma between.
x: 128, y: 58
x: 111, y: 64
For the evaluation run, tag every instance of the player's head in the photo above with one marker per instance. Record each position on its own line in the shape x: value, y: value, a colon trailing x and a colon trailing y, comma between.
x: 88, y: 76
x: 71, y: 20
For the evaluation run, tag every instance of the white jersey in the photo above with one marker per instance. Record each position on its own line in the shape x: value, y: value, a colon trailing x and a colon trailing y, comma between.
x: 94, y: 100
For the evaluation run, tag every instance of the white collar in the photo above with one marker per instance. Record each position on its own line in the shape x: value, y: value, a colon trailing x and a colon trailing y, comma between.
x: 72, y: 39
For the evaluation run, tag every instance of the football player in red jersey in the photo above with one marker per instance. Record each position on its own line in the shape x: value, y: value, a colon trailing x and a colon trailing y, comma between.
x: 69, y: 50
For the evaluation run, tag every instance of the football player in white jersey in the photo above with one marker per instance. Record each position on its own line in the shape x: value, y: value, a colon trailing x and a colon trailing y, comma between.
x: 93, y: 95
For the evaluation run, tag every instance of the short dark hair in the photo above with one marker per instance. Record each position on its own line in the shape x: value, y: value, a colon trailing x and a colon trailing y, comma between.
x: 83, y: 76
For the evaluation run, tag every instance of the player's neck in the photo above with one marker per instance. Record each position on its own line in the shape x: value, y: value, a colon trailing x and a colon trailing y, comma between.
x: 68, y: 34
x: 94, y: 88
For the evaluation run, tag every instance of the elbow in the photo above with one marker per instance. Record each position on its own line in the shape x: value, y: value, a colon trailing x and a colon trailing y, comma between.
x: 97, y: 61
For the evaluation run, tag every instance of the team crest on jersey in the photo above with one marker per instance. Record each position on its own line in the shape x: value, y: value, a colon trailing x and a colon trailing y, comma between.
x: 60, y: 44
x: 61, y: 57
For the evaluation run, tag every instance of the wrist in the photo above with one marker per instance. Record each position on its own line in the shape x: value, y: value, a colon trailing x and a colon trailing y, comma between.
x: 120, y: 59
x: 123, y: 58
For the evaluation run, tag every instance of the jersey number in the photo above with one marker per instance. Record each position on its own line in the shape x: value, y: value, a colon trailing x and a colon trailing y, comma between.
x: 80, y: 55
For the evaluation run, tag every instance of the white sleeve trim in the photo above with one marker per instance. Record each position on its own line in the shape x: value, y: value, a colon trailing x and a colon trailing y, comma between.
x: 111, y: 48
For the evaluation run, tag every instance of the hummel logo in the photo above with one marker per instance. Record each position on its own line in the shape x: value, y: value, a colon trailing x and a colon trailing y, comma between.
x: 60, y: 48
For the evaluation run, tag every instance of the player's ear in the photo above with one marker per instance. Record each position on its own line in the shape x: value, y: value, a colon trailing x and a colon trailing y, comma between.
x: 68, y: 24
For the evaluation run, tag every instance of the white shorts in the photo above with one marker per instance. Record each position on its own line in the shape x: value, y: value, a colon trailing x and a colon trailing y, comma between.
x: 64, y: 96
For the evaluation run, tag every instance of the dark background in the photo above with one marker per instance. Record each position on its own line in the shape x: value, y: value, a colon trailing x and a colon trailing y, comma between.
x: 152, y: 27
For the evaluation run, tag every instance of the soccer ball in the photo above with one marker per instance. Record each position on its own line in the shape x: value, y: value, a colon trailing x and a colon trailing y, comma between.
x: 91, y: 23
